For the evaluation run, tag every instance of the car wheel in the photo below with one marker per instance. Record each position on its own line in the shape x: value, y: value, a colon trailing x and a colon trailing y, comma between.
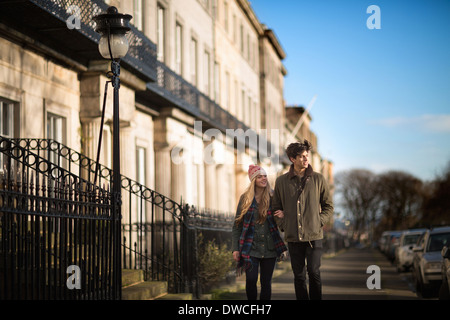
x: 426, y: 291
x: 444, y: 293
x: 418, y: 286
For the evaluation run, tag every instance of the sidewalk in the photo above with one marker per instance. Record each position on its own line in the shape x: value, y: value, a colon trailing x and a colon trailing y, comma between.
x: 344, y: 277
x: 236, y: 291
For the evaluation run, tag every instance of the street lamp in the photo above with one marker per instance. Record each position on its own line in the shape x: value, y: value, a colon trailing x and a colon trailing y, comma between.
x: 113, y: 27
x: 113, y: 45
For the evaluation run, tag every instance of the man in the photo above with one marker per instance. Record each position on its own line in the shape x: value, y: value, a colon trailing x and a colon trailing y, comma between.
x: 302, y: 205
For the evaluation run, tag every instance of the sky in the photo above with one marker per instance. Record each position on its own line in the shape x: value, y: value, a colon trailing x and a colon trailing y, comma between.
x: 382, y: 95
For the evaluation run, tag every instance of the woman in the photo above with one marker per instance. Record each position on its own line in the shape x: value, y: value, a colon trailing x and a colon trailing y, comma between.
x: 256, y: 240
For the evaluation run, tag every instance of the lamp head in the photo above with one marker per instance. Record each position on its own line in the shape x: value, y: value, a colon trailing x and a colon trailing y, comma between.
x: 113, y: 27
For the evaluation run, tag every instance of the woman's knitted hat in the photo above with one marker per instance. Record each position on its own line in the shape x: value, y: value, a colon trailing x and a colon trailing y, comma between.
x: 255, y: 170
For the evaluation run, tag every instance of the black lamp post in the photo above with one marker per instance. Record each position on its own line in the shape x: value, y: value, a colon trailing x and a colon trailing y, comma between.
x: 113, y: 45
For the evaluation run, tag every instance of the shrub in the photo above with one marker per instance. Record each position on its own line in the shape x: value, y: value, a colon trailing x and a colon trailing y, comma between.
x: 215, y: 262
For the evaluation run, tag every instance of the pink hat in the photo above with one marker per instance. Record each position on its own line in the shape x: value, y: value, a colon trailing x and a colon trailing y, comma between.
x: 254, y: 171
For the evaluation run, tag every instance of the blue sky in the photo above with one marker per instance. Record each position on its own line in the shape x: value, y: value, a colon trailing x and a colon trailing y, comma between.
x: 383, y: 95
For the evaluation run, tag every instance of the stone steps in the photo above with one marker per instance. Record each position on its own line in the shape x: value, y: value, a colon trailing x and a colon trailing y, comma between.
x: 135, y: 288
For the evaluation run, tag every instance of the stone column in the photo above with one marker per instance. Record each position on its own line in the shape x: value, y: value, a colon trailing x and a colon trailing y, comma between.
x: 178, y: 181
x: 210, y: 186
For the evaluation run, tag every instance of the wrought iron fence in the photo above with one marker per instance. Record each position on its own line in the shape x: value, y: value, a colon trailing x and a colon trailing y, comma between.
x: 52, y: 224
x: 159, y: 235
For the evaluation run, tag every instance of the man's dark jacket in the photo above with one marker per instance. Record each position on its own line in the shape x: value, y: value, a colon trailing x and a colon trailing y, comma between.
x: 306, y: 203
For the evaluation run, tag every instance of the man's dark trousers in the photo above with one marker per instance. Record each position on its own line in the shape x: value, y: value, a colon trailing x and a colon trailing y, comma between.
x: 312, y: 252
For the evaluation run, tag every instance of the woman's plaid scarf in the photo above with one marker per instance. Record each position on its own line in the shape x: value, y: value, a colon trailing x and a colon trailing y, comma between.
x: 246, y: 238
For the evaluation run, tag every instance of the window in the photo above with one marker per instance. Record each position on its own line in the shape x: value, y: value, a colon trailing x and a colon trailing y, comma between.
x: 138, y: 14
x: 56, y: 131
x: 217, y: 82
x: 242, y: 39
x: 206, y: 4
x: 140, y: 178
x: 178, y: 49
x: 55, y: 127
x: 193, y: 66
x: 6, y: 119
x: 8, y: 123
x: 160, y: 33
x: 249, y: 117
x: 236, y: 98
x: 256, y: 116
x: 248, y: 47
x: 242, y: 109
x: 206, y: 73
x: 227, y: 90
x: 225, y: 17
x: 234, y: 26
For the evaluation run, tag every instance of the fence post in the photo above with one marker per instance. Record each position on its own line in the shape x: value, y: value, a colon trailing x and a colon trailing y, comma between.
x: 190, y: 252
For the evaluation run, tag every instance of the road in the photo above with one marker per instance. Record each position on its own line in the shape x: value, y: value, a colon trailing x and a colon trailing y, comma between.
x: 344, y: 277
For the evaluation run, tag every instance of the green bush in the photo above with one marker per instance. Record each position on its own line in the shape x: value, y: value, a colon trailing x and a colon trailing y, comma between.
x: 215, y: 262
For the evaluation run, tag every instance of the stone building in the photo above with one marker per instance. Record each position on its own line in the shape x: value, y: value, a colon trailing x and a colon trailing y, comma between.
x: 201, y: 93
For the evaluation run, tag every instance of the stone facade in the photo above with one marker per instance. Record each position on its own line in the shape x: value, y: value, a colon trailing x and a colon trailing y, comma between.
x: 218, y: 46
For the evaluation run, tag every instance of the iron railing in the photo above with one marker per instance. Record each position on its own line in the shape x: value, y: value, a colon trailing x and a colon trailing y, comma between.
x: 158, y: 234
x: 53, y: 223
x: 163, y: 82
x: 186, y: 96
x: 141, y: 55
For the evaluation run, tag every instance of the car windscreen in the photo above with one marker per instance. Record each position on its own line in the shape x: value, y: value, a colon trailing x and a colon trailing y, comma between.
x: 410, y: 239
x: 438, y: 241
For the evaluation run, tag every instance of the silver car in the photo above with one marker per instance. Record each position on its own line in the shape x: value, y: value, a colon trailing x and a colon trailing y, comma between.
x: 403, y: 253
x: 444, y: 292
x: 427, y: 261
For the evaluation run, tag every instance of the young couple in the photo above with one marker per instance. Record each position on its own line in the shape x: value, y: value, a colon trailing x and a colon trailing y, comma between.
x: 299, y: 205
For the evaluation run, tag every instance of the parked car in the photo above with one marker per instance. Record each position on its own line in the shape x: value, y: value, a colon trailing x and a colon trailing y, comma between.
x: 385, y: 241
x: 392, y: 244
x: 403, y: 253
x: 427, y: 261
x: 444, y: 292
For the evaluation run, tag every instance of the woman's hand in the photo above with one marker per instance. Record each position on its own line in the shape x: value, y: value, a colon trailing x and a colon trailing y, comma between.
x: 236, y: 256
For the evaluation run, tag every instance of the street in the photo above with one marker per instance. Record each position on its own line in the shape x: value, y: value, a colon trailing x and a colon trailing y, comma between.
x: 344, y: 277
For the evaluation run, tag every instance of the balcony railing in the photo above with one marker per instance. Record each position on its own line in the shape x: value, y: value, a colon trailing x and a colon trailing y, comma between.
x: 180, y: 93
x: 163, y: 84
x: 142, y: 52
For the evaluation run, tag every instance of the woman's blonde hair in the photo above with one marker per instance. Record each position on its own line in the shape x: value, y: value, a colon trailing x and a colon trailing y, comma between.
x: 247, y: 200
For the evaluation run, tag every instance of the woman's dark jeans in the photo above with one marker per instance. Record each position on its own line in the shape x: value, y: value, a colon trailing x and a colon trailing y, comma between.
x: 267, y: 266
x: 312, y: 252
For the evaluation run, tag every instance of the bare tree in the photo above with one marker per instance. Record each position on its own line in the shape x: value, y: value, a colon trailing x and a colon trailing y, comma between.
x: 401, y: 196
x: 437, y: 201
x: 360, y: 197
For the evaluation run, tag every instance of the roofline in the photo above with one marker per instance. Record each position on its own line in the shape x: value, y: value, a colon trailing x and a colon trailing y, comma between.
x: 262, y: 29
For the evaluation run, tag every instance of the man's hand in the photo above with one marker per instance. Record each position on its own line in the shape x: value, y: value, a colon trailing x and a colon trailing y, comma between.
x: 279, y: 214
